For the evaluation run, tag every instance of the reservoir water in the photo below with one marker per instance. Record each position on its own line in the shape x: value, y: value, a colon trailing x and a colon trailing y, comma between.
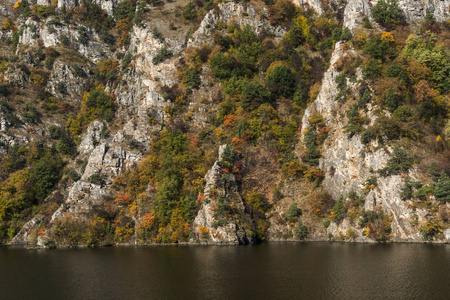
x: 267, y: 271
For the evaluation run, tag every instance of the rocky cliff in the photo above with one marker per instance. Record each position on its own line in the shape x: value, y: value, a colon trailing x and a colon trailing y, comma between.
x: 203, y: 79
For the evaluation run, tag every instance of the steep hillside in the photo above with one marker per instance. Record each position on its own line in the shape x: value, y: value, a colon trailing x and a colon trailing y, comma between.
x: 141, y: 122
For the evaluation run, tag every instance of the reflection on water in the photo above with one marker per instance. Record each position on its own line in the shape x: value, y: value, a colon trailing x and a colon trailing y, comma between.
x: 273, y: 271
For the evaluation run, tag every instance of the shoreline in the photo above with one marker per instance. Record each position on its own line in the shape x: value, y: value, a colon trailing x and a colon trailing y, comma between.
x: 140, y: 245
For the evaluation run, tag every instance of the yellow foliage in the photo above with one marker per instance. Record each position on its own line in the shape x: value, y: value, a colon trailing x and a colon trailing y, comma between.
x: 303, y: 23
x: 203, y: 232
x: 123, y: 233
x: 17, y: 4
x: 146, y: 225
x: 438, y: 139
x: 366, y: 231
x: 273, y: 66
x: 219, y: 133
x: 13, y: 193
x: 387, y: 36
x: 6, y: 24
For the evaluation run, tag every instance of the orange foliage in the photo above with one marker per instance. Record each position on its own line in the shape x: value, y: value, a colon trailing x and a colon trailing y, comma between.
x: 146, y: 225
x: 41, y: 231
x: 230, y: 120
x: 200, y: 198
x: 417, y: 72
x: 203, y: 232
x: 387, y: 36
x: 424, y: 92
x: 237, y: 142
x: 124, y: 199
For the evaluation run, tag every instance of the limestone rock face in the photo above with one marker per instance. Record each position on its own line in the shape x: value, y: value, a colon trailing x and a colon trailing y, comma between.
x: 51, y: 35
x: 315, y: 4
x: 109, y: 154
x: 72, y: 85
x: 107, y: 5
x: 348, y: 163
x: 219, y: 189
x: 325, y: 102
x: 415, y: 10
x: 23, y: 237
x: 242, y: 15
x: 354, y: 13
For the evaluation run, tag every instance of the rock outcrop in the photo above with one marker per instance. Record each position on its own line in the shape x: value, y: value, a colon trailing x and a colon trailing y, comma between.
x: 348, y: 163
x: 221, y: 191
x: 240, y: 14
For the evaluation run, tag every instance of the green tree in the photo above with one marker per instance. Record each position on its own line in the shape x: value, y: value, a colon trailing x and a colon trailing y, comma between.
x: 442, y: 188
x: 293, y: 212
x: 44, y: 176
x: 192, y: 78
x: 301, y: 230
x: 338, y: 211
x: 399, y: 162
x: 281, y: 81
x: 312, y: 154
x: 391, y: 101
x: 388, y: 14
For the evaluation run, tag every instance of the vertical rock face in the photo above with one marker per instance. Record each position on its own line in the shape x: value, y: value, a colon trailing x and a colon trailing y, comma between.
x: 107, y: 5
x: 355, y: 12
x: 109, y: 155
x: 348, y: 163
x: 231, y: 12
x: 315, y: 4
x: 51, y: 35
x: 325, y: 102
x: 221, y: 190
x: 416, y: 10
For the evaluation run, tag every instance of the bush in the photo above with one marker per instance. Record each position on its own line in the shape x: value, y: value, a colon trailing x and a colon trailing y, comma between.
x: 64, y: 40
x: 56, y: 132
x: 377, y: 224
x: 295, y: 36
x: 30, y: 114
x: 99, y: 104
x: 189, y: 12
x: 293, y: 213
x: 162, y: 54
x: 399, y: 162
x: 83, y: 38
x: 72, y: 174
x: 431, y: 228
x: 126, y: 60
x: 403, y: 114
x: 49, y: 63
x: 95, y: 179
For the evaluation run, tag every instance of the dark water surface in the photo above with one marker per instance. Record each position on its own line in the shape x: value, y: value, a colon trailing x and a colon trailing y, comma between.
x: 273, y: 271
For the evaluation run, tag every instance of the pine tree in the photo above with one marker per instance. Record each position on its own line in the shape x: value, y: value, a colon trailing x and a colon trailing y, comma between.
x: 391, y: 101
x: 442, y: 188
x: 312, y: 154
